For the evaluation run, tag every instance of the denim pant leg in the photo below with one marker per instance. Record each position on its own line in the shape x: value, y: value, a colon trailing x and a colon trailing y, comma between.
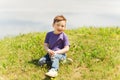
x: 56, y: 59
x: 44, y: 60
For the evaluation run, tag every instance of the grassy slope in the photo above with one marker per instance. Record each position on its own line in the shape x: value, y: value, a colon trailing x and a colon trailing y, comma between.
x: 95, y: 51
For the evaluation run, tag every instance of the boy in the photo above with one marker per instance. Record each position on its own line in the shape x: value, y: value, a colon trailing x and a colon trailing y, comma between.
x: 56, y: 44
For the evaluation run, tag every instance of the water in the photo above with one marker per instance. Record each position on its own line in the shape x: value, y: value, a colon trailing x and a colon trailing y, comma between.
x: 24, y: 16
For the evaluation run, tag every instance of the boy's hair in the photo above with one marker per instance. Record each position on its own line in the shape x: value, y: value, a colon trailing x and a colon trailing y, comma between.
x: 59, y: 18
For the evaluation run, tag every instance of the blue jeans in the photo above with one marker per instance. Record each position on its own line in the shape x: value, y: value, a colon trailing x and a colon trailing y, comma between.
x: 54, y: 61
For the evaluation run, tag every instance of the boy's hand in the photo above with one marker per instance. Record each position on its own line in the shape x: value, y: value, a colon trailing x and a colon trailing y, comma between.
x: 51, y: 52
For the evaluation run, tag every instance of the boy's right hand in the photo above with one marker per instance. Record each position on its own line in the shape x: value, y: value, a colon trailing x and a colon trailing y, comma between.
x: 51, y: 52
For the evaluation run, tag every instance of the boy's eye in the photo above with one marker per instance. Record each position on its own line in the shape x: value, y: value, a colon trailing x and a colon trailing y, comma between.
x: 58, y: 24
x: 62, y: 26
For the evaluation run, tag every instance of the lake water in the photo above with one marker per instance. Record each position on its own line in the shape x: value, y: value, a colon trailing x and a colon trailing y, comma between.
x: 19, y: 16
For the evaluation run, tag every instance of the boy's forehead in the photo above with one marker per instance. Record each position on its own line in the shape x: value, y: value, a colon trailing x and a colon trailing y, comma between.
x: 61, y: 22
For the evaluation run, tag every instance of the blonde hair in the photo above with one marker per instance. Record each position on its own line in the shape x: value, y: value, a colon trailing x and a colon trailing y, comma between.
x: 59, y: 18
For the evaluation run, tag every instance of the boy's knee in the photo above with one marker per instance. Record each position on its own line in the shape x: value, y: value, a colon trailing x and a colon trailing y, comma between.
x: 60, y: 57
x: 42, y: 61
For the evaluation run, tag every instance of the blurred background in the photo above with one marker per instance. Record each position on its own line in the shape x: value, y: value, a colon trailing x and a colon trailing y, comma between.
x: 24, y: 16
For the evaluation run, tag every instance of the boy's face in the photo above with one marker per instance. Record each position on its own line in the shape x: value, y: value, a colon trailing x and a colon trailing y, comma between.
x: 59, y: 27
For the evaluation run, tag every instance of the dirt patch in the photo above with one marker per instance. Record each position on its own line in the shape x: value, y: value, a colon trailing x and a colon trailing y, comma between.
x: 3, y: 78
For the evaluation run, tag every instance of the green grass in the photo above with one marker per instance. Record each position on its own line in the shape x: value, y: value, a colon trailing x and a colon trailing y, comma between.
x: 95, y: 52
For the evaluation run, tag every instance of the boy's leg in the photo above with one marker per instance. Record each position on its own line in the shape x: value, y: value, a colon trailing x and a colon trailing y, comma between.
x: 56, y: 59
x: 44, y: 60
x: 55, y: 65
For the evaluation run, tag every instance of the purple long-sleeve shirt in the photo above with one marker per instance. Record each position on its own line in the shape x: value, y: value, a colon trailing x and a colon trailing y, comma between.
x: 56, y: 41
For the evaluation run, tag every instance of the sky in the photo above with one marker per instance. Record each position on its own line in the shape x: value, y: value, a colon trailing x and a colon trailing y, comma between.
x: 23, y: 16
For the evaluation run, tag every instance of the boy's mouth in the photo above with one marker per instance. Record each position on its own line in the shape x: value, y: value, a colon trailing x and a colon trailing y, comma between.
x: 59, y: 30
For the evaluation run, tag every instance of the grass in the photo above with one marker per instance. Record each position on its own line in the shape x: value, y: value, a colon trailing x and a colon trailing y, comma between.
x: 95, y: 52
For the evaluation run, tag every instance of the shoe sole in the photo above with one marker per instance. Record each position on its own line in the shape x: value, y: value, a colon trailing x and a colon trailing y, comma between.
x: 51, y: 76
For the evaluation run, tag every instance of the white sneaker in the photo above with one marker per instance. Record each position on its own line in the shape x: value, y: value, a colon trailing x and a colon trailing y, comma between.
x: 51, y: 73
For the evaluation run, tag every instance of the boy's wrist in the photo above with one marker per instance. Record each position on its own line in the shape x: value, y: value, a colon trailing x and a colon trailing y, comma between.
x: 48, y: 50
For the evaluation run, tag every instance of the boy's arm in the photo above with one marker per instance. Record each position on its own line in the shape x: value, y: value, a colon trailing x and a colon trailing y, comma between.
x: 46, y: 46
x: 49, y: 51
x: 64, y: 50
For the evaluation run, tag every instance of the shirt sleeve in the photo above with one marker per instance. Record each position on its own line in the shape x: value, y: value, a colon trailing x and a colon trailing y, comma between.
x: 47, y: 38
x: 66, y: 41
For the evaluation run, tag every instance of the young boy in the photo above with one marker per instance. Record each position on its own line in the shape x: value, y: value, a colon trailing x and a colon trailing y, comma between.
x: 56, y: 44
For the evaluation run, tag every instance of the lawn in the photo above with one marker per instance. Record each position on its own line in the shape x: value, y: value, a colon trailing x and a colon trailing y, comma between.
x: 95, y: 53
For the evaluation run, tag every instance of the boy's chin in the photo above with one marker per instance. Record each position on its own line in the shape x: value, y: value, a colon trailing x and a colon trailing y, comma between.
x: 58, y: 32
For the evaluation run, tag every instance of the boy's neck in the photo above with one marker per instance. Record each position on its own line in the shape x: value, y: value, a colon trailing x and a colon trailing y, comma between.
x: 57, y: 32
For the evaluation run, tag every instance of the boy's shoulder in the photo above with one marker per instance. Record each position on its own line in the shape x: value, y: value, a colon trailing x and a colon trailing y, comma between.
x: 64, y: 34
x: 50, y: 32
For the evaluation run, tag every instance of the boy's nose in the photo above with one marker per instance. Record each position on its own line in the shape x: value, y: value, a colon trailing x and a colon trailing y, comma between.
x: 59, y: 27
